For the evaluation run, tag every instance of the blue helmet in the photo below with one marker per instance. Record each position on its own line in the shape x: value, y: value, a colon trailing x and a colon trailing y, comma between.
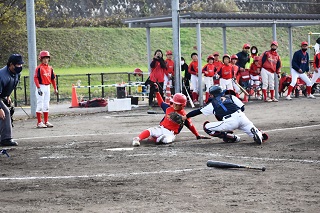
x: 216, y: 91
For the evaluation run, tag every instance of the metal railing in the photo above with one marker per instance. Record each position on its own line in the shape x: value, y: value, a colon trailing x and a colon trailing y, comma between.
x: 21, y: 94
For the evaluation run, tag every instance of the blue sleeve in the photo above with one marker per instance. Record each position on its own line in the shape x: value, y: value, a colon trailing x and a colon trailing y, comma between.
x: 264, y: 58
x: 194, y: 113
x: 295, y: 61
x: 164, y: 106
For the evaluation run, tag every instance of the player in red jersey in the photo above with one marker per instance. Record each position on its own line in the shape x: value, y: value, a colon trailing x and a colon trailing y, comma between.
x: 43, y: 78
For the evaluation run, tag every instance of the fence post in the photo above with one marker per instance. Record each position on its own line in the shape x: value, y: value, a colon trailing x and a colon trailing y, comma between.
x: 129, y: 82
x: 102, y: 83
x: 57, y: 82
x: 89, y: 84
x: 25, y: 90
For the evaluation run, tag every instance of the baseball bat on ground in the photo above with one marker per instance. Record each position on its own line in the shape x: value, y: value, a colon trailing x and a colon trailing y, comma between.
x: 191, y: 102
x: 225, y: 165
x: 154, y: 112
x: 241, y: 88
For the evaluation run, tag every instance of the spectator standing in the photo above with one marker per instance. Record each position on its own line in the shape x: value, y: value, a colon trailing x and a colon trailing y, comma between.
x: 255, y: 75
x: 243, y: 57
x: 316, y: 63
x: 209, y: 72
x: 270, y: 63
x: 9, y: 78
x: 217, y: 64
x: 158, y: 69
x: 185, y: 77
x: 300, y: 66
x: 226, y: 73
x: 43, y: 78
x: 193, y: 70
x: 169, y: 73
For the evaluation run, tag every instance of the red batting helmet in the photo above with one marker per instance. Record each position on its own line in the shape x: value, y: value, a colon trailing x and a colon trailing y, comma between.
x: 137, y: 71
x: 304, y: 43
x: 234, y: 57
x: 225, y: 55
x: 246, y: 46
x: 180, y: 99
x: 256, y: 58
x: 169, y: 52
x: 210, y: 57
x: 44, y: 54
x: 274, y: 43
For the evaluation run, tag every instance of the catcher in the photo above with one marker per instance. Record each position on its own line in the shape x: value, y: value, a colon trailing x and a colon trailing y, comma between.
x: 172, y: 122
x: 228, y: 110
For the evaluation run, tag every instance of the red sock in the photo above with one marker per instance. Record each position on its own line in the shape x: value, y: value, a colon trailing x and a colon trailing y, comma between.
x: 272, y: 94
x: 207, y: 97
x: 290, y: 89
x: 144, y: 134
x: 45, y: 116
x: 39, y: 117
x: 308, y: 90
x: 264, y: 92
x: 194, y: 96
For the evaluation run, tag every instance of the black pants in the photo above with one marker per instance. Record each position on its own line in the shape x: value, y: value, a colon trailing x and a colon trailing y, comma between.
x: 152, y: 92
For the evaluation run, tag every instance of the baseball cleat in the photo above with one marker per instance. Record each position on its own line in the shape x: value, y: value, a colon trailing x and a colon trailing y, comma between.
x: 288, y: 97
x: 41, y: 125
x: 311, y: 96
x: 136, y: 141
x: 48, y: 124
x: 160, y: 139
x: 257, y: 135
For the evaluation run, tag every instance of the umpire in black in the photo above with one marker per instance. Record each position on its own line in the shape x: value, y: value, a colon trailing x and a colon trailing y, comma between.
x: 9, y: 78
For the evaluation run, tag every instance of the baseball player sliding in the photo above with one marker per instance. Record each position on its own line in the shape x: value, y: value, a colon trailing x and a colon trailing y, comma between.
x: 229, y: 111
x: 172, y: 122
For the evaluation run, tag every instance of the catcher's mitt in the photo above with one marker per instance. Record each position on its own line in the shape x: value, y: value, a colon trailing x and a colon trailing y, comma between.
x: 175, y: 117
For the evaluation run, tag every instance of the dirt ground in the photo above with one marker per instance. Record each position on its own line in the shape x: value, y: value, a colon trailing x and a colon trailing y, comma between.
x: 86, y: 164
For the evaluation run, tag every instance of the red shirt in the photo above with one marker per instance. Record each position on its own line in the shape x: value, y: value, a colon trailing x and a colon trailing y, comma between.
x: 208, y: 70
x: 271, y: 61
x: 226, y: 71
x: 193, y: 68
x: 170, y: 67
x: 254, y: 69
x: 167, y: 123
x: 217, y: 65
x: 316, y: 62
x: 44, y: 75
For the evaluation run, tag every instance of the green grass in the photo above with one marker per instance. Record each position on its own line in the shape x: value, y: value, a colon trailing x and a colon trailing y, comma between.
x: 122, y: 49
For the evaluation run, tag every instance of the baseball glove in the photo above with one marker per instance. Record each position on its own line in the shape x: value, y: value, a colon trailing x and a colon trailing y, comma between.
x: 175, y: 117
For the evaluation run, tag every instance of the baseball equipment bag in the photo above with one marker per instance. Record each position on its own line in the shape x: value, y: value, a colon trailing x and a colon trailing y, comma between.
x: 97, y: 102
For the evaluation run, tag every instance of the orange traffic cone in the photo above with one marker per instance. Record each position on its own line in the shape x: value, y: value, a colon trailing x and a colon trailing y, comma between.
x: 74, y: 98
x: 245, y: 99
x: 168, y: 93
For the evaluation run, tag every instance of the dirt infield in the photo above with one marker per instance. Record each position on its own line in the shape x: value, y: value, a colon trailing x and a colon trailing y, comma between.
x: 86, y: 164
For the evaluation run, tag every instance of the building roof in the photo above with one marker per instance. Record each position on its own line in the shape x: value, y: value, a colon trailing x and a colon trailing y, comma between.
x: 227, y: 20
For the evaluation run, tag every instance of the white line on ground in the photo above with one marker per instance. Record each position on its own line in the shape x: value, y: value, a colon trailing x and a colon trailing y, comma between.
x: 99, y: 175
x: 136, y: 133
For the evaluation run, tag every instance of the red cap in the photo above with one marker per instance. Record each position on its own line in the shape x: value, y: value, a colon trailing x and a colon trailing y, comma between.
x: 169, y: 52
x: 246, y: 46
x: 234, y: 56
x: 256, y: 58
x: 304, y: 43
x: 210, y: 57
x: 274, y: 43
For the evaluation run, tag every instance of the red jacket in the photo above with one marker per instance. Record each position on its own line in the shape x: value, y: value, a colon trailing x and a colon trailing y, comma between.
x: 316, y: 61
x: 226, y: 71
x: 208, y: 70
x: 270, y: 61
x: 44, y: 75
x: 157, y: 73
x: 254, y: 69
x: 170, y: 67
x: 193, y: 68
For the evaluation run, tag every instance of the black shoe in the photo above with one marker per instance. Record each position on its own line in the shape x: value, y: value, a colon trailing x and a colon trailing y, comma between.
x: 8, y: 142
